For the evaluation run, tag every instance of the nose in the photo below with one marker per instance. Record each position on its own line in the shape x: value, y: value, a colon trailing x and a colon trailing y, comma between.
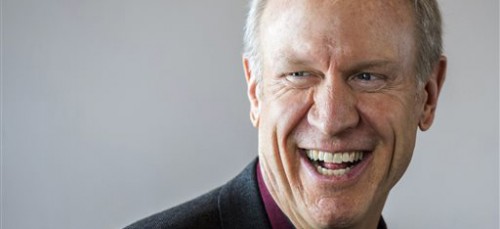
x: 334, y: 109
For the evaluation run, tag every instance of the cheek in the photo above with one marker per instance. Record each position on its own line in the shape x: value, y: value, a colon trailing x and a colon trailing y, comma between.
x: 394, y: 120
x: 281, y: 114
x: 390, y: 115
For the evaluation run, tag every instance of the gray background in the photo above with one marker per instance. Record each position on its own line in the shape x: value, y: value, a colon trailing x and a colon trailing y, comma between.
x: 113, y: 110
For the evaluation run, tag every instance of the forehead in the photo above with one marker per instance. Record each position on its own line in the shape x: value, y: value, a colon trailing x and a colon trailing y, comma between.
x: 380, y: 29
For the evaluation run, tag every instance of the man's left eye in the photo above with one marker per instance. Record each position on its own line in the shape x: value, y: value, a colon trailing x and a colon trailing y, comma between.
x: 365, y: 76
x: 366, y: 81
x: 299, y: 74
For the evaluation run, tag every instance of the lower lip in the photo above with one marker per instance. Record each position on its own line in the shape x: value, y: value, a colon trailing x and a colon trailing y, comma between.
x: 349, y: 178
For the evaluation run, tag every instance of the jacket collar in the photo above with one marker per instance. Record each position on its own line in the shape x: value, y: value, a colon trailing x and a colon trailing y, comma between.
x: 240, y: 204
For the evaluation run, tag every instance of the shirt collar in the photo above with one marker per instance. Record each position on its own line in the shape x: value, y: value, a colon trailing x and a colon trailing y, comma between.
x: 276, y: 217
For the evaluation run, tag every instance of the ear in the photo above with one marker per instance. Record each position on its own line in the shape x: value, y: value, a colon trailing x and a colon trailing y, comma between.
x: 432, y: 89
x: 253, y: 93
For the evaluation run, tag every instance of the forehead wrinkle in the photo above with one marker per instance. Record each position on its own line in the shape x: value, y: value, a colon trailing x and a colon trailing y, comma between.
x: 345, y: 50
x: 306, y: 53
x: 327, y: 40
x: 298, y: 62
x: 318, y: 55
x: 305, y: 49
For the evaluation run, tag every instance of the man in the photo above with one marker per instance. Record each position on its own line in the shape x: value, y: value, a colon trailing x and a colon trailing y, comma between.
x: 337, y: 90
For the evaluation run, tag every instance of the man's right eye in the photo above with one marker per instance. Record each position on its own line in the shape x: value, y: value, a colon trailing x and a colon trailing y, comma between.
x: 301, y: 79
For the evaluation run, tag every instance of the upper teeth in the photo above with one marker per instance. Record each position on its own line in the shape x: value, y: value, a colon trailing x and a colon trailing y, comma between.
x: 338, y: 158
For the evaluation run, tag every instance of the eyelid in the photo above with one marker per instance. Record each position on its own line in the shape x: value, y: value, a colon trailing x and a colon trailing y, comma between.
x: 296, y: 74
x: 375, y: 83
x: 301, y: 79
x: 373, y: 75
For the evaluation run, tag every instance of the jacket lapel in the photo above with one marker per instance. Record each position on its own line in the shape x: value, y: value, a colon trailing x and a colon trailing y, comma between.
x: 240, y: 204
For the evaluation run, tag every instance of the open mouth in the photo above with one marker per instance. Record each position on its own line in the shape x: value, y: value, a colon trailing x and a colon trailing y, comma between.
x: 334, y: 164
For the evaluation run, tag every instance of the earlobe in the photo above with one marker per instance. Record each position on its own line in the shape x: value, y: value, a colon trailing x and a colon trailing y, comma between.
x: 432, y: 89
x: 253, y: 93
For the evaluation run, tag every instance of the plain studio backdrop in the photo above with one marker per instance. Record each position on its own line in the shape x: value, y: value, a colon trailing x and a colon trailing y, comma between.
x: 113, y: 110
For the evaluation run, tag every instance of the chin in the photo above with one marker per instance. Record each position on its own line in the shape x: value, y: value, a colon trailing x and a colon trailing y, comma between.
x: 342, y: 211
x: 336, y: 215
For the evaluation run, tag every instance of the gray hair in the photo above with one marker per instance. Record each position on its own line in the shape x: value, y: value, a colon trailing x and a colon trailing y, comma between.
x: 251, y: 43
x: 428, y: 32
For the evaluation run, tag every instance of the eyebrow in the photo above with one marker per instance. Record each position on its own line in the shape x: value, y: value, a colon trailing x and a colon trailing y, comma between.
x: 368, y: 64
x: 372, y: 64
x: 294, y: 61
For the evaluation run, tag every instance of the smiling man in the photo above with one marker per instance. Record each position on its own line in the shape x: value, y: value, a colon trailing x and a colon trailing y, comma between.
x: 337, y: 89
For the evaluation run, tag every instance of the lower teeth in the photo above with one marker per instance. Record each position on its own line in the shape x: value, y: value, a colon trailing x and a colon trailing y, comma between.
x: 333, y: 172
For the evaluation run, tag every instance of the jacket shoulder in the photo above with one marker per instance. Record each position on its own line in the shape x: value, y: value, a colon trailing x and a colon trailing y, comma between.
x: 201, y: 212
x: 237, y: 204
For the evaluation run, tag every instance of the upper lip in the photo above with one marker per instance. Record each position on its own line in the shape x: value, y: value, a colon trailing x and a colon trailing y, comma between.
x: 336, y: 150
x: 338, y: 146
x: 348, y: 141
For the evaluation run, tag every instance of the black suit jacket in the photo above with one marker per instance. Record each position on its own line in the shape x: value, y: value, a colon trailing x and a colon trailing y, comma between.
x: 237, y: 204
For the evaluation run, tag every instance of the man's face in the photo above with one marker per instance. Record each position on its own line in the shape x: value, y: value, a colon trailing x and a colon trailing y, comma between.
x: 339, y: 84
